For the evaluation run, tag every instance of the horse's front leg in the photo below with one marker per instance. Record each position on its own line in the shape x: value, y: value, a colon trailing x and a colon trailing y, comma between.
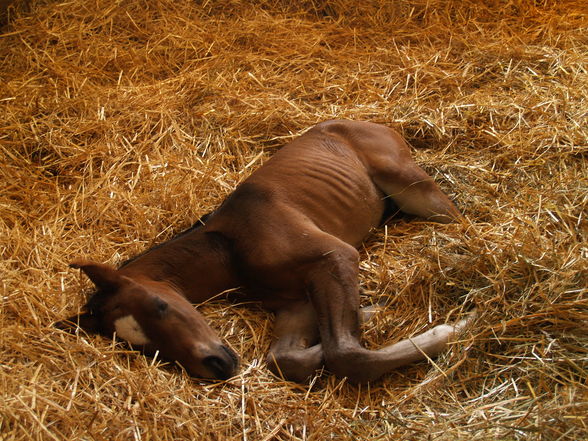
x: 333, y: 289
x: 295, y: 353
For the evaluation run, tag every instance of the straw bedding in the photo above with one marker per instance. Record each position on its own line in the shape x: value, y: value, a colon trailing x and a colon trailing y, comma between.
x: 123, y: 122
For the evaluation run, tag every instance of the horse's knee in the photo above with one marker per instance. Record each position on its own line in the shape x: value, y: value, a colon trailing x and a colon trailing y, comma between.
x: 296, y: 365
x: 277, y: 364
x: 353, y: 363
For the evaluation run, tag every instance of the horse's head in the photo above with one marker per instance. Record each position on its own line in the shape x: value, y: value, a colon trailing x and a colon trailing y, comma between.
x: 153, y: 317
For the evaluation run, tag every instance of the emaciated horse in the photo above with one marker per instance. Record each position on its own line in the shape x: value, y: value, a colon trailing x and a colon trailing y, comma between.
x: 287, y: 235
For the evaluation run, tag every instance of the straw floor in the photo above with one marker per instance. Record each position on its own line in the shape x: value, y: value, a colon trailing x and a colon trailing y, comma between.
x: 121, y: 122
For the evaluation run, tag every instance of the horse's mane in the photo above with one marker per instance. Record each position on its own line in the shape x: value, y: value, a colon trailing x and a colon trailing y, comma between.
x: 199, y: 223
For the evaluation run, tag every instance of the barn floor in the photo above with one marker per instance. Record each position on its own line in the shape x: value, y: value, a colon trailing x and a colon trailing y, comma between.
x: 123, y: 122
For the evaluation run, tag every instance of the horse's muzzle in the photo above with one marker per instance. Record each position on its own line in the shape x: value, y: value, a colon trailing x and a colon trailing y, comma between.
x: 223, y: 364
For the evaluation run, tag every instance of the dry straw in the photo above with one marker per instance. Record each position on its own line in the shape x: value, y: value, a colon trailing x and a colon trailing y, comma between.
x: 121, y: 122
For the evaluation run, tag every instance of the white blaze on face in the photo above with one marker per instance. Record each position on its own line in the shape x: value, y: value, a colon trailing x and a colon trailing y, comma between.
x: 128, y: 329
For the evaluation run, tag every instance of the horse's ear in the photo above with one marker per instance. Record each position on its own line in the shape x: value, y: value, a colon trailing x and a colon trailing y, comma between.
x: 86, y: 321
x: 104, y: 277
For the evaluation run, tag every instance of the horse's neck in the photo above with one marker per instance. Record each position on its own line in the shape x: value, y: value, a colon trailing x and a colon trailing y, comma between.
x: 197, y: 264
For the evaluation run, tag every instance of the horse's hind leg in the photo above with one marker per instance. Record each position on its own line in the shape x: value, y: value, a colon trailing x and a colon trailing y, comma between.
x: 393, y: 170
x: 415, y: 192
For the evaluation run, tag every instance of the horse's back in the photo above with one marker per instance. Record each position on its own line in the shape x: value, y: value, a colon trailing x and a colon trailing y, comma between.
x: 321, y: 178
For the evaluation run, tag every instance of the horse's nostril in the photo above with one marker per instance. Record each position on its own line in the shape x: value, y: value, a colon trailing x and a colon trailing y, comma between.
x: 221, y: 368
x: 215, y: 364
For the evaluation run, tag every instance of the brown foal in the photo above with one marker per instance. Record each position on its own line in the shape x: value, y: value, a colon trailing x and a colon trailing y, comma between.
x: 288, y: 236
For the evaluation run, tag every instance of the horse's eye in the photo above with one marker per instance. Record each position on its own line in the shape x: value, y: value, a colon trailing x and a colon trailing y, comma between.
x: 161, y: 306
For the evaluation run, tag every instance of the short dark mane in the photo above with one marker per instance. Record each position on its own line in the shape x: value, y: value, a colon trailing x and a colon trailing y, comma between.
x: 199, y: 223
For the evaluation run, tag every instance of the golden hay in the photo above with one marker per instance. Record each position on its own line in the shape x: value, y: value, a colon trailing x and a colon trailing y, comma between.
x: 122, y: 122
